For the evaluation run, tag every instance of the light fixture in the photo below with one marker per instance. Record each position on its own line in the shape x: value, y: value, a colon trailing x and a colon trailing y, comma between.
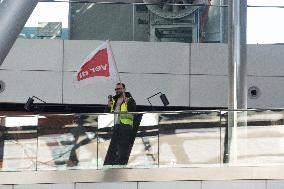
x: 30, y: 101
x: 163, y: 98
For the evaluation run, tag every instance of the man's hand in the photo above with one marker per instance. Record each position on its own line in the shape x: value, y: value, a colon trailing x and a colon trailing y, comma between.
x: 126, y: 100
x: 109, y: 104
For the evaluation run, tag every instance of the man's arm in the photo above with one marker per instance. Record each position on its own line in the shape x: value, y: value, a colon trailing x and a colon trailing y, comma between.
x: 131, y: 105
x: 109, y: 104
x: 107, y: 109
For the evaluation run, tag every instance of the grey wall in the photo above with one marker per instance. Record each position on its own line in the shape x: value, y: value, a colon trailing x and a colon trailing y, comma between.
x: 190, y: 74
x: 33, y: 67
x: 147, y: 69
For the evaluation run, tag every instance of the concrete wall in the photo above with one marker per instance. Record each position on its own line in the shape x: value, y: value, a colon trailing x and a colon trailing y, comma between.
x: 146, y: 68
x: 189, y: 74
x: 33, y: 67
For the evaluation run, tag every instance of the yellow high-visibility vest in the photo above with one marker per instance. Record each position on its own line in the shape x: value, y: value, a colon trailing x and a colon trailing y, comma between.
x: 124, y: 117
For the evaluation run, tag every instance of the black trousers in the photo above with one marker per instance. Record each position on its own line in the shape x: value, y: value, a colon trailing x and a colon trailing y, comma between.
x: 2, y: 139
x: 120, y: 145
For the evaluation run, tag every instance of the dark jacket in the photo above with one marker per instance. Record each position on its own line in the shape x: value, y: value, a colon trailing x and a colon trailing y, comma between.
x: 131, y: 105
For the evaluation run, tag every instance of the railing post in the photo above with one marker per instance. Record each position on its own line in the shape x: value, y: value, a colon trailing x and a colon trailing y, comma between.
x: 237, y: 24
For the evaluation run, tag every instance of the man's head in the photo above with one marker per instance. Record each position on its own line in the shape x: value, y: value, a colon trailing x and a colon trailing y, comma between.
x: 119, y: 88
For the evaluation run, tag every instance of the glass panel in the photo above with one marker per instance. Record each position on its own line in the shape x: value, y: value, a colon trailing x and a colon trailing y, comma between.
x: 159, y: 22
x: 163, y: 139
x: 67, y: 142
x: 189, y: 139
x: 105, y: 125
x: 101, y: 21
x: 179, y: 23
x: 144, y: 151
x: 263, y: 25
x: 18, y: 143
x: 148, y: 22
x: 259, y: 141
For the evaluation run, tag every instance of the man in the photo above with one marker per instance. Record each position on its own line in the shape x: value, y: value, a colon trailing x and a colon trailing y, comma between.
x: 120, y: 143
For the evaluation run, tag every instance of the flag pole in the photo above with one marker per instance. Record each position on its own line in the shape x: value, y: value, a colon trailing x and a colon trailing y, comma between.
x: 112, y: 55
x: 108, y: 43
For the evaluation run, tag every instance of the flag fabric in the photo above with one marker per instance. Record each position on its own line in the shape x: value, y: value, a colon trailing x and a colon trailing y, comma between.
x: 98, y: 66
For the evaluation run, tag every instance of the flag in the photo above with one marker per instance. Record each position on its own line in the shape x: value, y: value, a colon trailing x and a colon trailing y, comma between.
x: 98, y: 66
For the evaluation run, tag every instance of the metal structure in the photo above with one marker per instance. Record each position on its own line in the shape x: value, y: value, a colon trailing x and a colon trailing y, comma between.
x: 237, y: 54
x: 171, y: 9
x: 150, y: 20
x: 13, y: 16
x: 237, y: 66
x: 173, y: 20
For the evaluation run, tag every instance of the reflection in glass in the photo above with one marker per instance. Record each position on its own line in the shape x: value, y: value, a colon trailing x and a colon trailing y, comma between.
x: 187, y: 21
x: 163, y: 139
x: 260, y: 140
x: 18, y: 143
x: 101, y: 21
x: 189, y: 139
x: 67, y: 142
x: 143, y: 149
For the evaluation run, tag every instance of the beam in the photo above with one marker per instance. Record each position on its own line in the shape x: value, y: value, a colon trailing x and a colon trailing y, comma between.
x: 13, y: 16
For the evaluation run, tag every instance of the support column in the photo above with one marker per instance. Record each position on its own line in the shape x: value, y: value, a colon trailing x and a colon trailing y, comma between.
x: 13, y: 16
x: 237, y: 23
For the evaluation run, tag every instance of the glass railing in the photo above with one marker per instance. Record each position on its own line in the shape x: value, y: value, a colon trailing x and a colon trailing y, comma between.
x: 163, y: 140
x: 155, y: 22
x: 189, y: 139
x: 256, y: 139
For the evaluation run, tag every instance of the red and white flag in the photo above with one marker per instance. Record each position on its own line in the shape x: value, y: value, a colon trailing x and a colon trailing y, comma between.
x: 98, y: 66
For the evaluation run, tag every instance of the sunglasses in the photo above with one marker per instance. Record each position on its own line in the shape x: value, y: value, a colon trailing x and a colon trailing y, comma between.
x: 117, y: 89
